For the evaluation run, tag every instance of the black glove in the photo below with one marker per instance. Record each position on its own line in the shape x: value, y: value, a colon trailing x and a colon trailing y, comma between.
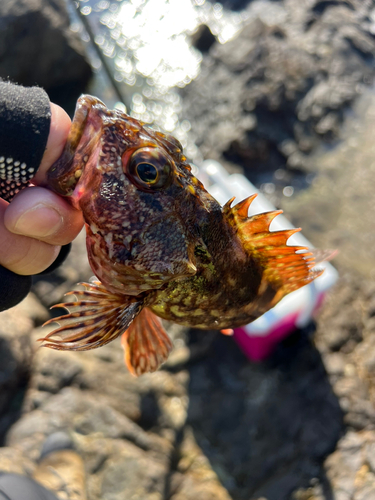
x: 14, y: 287
x: 25, y: 118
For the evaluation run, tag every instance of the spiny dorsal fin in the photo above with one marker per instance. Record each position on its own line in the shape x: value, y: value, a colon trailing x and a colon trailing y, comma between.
x: 95, y: 318
x: 286, y: 267
x: 146, y: 344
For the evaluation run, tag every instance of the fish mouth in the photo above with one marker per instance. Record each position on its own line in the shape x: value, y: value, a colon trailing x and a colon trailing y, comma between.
x: 64, y: 174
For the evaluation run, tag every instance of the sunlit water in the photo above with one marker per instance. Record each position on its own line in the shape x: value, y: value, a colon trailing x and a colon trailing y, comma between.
x: 147, y: 44
x: 148, y: 54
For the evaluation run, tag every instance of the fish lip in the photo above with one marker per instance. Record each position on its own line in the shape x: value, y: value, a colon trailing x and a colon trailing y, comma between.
x: 63, y: 176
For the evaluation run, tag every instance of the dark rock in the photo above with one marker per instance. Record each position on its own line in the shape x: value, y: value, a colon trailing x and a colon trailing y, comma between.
x: 203, y: 39
x: 15, y: 365
x: 234, y: 4
x: 194, y: 477
x: 262, y: 91
x: 289, y: 423
x: 37, y: 47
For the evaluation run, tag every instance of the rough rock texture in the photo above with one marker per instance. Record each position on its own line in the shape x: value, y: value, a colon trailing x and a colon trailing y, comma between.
x: 266, y: 99
x: 38, y: 47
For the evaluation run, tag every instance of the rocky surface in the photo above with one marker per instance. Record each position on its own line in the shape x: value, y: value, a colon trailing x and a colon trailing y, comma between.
x: 37, y: 47
x: 265, y: 100
x: 210, y: 425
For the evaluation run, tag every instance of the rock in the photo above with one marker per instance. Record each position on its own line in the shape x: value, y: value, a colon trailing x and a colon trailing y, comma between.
x: 56, y: 371
x: 63, y: 473
x: 336, y: 212
x: 347, y: 468
x: 203, y: 39
x: 195, y: 477
x: 268, y: 416
x: 15, y: 364
x: 294, y: 68
x: 133, y: 474
x: 13, y: 461
x: 38, y: 47
x: 33, y: 309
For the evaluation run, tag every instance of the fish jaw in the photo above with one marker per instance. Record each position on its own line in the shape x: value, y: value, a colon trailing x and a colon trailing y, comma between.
x: 83, y: 139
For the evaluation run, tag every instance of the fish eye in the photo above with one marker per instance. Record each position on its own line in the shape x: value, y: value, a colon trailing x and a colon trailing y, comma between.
x: 147, y: 172
x: 148, y: 168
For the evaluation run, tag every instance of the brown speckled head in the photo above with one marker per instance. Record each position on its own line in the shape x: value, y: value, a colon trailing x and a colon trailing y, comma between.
x: 139, y: 198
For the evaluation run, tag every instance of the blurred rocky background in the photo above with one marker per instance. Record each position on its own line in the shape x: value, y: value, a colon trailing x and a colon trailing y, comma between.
x: 271, y: 96
x: 37, y: 47
x: 289, y: 101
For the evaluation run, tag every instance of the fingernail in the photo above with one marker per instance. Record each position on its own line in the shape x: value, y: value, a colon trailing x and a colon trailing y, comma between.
x: 39, y: 222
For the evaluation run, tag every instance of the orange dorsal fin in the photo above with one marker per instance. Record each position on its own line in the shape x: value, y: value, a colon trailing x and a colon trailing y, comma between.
x: 287, y: 268
x: 95, y: 318
x: 146, y: 344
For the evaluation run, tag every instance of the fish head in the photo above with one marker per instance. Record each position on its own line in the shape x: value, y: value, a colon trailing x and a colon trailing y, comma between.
x: 141, y: 203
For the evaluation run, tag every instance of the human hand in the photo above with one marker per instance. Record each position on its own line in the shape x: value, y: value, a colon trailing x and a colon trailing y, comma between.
x: 37, y: 221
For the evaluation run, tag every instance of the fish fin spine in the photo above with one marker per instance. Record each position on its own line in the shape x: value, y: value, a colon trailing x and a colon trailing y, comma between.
x: 94, y: 319
x: 286, y: 267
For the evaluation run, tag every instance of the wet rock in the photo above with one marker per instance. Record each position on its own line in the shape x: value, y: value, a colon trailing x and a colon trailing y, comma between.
x: 336, y: 212
x: 293, y: 69
x: 38, y: 47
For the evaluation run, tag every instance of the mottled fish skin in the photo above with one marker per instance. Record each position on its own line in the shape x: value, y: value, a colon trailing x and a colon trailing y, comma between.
x: 159, y: 240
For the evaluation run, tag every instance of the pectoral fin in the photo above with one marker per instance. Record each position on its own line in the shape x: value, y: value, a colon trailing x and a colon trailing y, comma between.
x: 95, y: 318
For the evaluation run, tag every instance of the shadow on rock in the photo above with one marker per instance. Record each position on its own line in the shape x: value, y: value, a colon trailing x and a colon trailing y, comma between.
x: 15, y: 366
x: 13, y: 383
x: 265, y: 428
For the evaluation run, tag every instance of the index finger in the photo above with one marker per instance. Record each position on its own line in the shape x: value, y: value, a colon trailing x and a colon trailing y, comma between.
x: 59, y: 130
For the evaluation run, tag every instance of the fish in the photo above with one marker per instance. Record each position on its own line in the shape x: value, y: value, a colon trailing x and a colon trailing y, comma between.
x: 160, y: 246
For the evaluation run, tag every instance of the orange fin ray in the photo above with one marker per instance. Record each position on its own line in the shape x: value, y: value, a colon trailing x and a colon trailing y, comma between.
x: 242, y: 208
x: 146, y: 344
x: 286, y: 267
x: 267, y: 238
x: 261, y: 222
x: 91, y: 323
